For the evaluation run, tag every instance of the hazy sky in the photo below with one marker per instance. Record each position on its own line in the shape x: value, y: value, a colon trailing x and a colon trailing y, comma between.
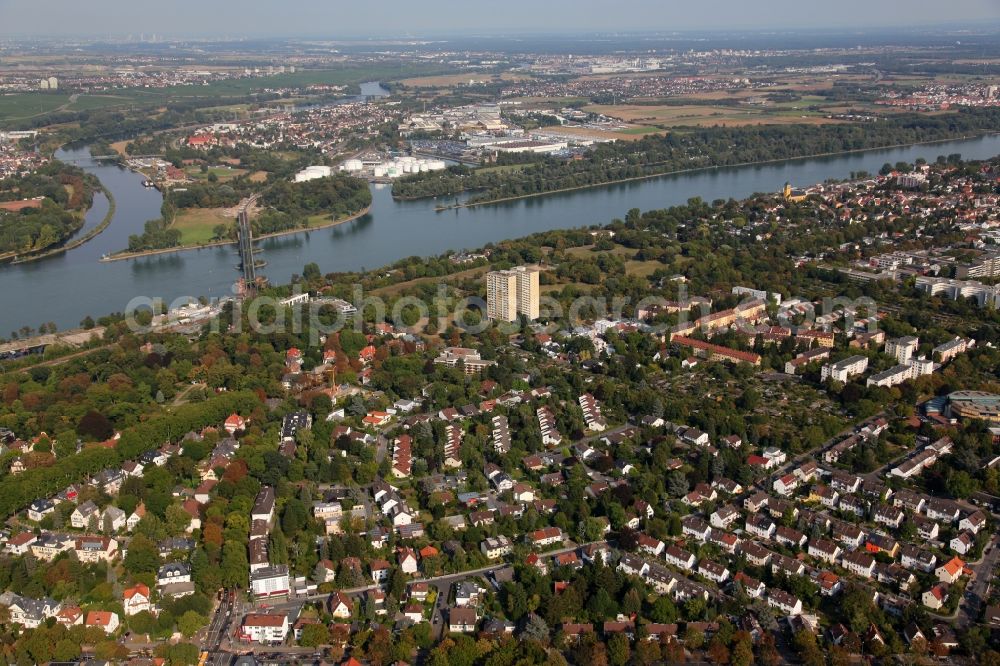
x: 401, y: 17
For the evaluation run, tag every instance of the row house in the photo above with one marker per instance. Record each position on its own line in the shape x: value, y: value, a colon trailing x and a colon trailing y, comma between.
x: 845, y: 483
x: 850, y: 535
x: 592, y: 413
x: 917, y: 559
x: 787, y: 536
x: 853, y: 505
x: 648, y: 544
x: 788, y: 566
x: 760, y: 525
x: 825, y: 495
x: 453, y: 445
x: 754, y: 588
x: 756, y: 554
x: 713, y: 571
x: 632, y: 565
x: 877, y: 543
x: 859, y: 563
x: 942, y: 510
x: 680, y: 558
x: 889, y: 515
x: 501, y: 434
x: 695, y: 527
x: 727, y: 486
x: 910, y: 500
x: 548, y: 427
x: 402, y: 457
x: 824, y: 549
x: 724, y: 516
x: 547, y: 536
x: 973, y: 522
x: 724, y: 540
x: 787, y: 603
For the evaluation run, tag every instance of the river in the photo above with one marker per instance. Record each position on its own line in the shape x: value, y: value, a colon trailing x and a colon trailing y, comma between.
x: 66, y: 288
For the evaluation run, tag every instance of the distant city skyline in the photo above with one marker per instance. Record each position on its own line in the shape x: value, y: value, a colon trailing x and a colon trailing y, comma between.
x: 322, y: 18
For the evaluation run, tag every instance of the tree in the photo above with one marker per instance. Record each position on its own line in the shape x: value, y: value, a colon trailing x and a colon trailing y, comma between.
x: 742, y: 654
x: 718, y: 652
x: 180, y: 654
x: 190, y: 622
x: 632, y: 603
x: 663, y: 611
x: 235, y: 566
x: 95, y: 426
x: 677, y: 484
x: 311, y: 272
x: 314, y: 635
x: 294, y: 517
x: 619, y: 651
x: 535, y: 629
x: 143, y: 556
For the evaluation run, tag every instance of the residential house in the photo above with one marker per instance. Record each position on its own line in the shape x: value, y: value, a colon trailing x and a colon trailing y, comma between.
x: 462, y: 620
x: 86, y: 516
x: 950, y: 571
x: 265, y: 628
x: 787, y: 603
x: 860, y: 563
x: 935, y: 597
x: 136, y: 599
x: 341, y: 606
x: 680, y: 558
x: 106, y: 620
x: 96, y: 549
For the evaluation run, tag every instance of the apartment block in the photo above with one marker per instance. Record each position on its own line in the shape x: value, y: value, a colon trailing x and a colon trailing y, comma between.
x: 511, y: 293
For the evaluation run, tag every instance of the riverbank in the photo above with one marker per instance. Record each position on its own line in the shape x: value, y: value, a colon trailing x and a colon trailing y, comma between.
x: 678, y: 172
x: 90, y: 235
x: 123, y: 256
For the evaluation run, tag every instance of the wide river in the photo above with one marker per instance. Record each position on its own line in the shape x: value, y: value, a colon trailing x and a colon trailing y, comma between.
x: 66, y: 288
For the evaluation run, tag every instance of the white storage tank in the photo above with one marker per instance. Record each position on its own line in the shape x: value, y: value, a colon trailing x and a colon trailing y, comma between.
x: 353, y: 165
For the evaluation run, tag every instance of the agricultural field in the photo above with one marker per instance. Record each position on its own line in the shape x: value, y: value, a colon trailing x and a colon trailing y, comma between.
x: 450, y: 80
x: 700, y: 115
x: 28, y: 105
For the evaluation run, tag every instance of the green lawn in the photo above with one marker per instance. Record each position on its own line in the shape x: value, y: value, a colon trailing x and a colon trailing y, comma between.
x: 222, y: 173
x: 197, y: 224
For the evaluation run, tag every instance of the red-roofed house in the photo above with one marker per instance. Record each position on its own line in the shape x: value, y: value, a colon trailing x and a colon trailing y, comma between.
x: 105, y: 620
x: 136, y: 599
x: 235, y: 422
